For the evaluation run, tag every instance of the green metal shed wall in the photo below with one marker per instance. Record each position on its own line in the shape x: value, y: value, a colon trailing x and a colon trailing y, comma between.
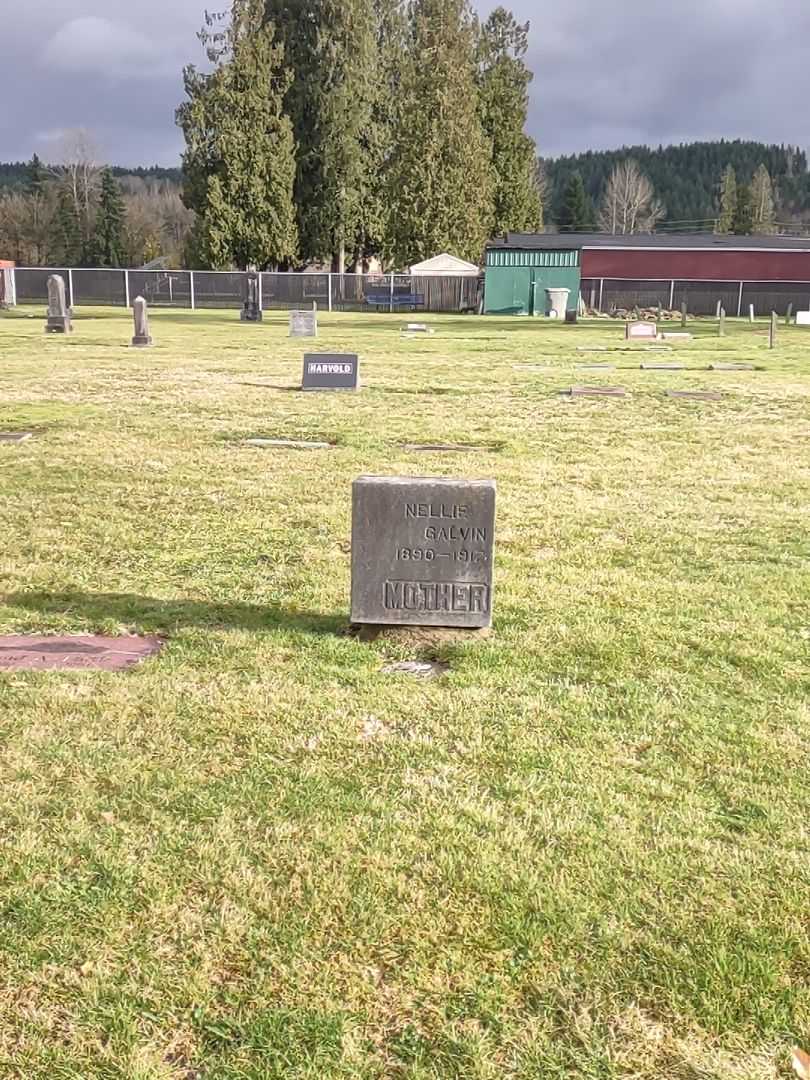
x: 513, y: 278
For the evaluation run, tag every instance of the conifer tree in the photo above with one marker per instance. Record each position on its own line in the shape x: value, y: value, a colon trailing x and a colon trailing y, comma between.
x: 440, y: 173
x: 331, y: 56
x: 68, y: 231
x: 108, y: 239
x: 36, y: 175
x: 728, y: 201
x: 744, y: 215
x: 577, y: 210
x: 239, y: 162
x: 762, y: 202
x: 503, y: 86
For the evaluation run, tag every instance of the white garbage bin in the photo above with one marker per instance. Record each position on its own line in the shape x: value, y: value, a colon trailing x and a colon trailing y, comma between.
x: 558, y: 302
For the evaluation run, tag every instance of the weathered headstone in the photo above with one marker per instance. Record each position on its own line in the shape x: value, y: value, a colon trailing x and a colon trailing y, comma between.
x: 251, y: 307
x: 142, y: 338
x: 58, y: 315
x: 331, y: 371
x: 684, y: 315
x: 417, y: 328
x: 304, y: 322
x: 640, y: 330
x: 721, y: 329
x: 803, y: 318
x: 788, y: 314
x: 772, y: 330
x: 422, y: 551
x: 750, y: 312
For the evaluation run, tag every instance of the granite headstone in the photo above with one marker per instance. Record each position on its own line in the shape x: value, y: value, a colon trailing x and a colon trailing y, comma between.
x: 142, y: 338
x: 331, y: 371
x: 304, y: 322
x: 422, y: 551
x: 640, y: 330
x: 251, y: 307
x: 58, y: 315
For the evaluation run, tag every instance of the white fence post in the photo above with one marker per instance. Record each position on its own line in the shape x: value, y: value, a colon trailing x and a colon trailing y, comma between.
x: 260, y: 291
x: 671, y: 295
x: 126, y: 288
x: 601, y: 292
x: 70, y: 287
x: 13, y: 286
x: 191, y: 292
x: 392, y: 295
x: 739, y: 301
x: 330, y: 290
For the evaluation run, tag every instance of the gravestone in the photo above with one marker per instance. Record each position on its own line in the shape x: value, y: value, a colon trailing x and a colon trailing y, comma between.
x: 58, y: 315
x: 251, y: 308
x: 772, y: 330
x: 15, y: 436
x: 662, y: 367
x: 142, y: 338
x: 721, y: 329
x: 596, y: 391
x: 640, y: 331
x: 75, y: 652
x: 331, y: 371
x: 417, y: 328
x: 422, y: 551
x: 684, y: 315
x: 304, y: 322
x: 788, y: 314
x: 803, y: 318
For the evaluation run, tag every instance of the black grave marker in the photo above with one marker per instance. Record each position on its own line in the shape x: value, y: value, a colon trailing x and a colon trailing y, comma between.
x: 331, y: 371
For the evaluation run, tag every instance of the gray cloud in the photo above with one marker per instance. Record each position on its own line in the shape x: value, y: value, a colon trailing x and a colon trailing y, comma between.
x: 604, y: 74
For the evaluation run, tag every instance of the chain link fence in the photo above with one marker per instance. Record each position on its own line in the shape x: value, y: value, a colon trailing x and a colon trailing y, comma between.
x: 701, y: 297
x: 226, y: 289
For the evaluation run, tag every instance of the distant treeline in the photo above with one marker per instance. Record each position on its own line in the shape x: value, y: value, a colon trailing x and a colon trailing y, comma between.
x: 687, y: 178
x: 15, y: 174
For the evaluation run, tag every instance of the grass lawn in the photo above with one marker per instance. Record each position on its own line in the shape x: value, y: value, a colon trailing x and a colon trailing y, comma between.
x: 584, y: 852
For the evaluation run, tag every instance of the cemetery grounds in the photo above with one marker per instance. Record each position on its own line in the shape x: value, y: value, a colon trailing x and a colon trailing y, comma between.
x: 582, y: 852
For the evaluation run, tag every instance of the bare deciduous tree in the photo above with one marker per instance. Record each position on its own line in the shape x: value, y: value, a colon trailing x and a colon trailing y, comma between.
x: 629, y: 204
x: 78, y: 171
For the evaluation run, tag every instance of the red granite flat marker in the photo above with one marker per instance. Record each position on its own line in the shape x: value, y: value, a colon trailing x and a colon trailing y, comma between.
x: 596, y: 391
x: 87, y: 652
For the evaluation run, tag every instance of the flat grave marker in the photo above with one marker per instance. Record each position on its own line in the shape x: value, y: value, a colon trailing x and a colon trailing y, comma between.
x: 445, y: 447
x: 661, y: 367
x: 634, y: 331
x: 695, y: 395
x: 304, y: 322
x: 289, y: 444
x: 732, y: 367
x: 596, y: 367
x: 15, y: 436
x: 595, y: 391
x: 422, y: 551
x: 417, y: 328
x: 35, y: 652
x: 331, y: 371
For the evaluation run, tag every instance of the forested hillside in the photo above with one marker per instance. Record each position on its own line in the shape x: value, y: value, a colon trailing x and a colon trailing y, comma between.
x: 687, y: 178
x: 16, y: 174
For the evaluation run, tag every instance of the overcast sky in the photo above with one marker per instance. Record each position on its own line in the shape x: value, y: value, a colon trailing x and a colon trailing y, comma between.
x: 636, y: 71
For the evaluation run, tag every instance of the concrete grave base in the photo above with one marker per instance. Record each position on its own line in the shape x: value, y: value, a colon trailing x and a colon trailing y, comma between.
x: 424, y: 638
x: 141, y: 342
x: 59, y: 324
x: 74, y: 652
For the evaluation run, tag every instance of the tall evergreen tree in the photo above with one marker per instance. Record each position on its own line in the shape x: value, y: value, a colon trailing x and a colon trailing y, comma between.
x: 36, y: 175
x: 108, y: 240
x: 762, y: 202
x: 577, y: 212
x: 503, y: 93
x: 239, y: 162
x: 331, y: 52
x: 728, y: 201
x: 744, y: 216
x: 440, y: 173
x: 69, y: 247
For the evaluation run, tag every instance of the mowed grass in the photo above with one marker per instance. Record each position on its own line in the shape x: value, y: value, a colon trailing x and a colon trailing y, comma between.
x: 582, y: 853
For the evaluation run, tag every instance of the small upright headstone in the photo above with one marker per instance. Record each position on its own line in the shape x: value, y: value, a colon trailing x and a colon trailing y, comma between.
x: 142, y: 338
x: 684, y: 315
x: 640, y: 330
x: 803, y: 318
x: 422, y: 551
x: 788, y: 314
x: 722, y: 325
x: 304, y: 323
x: 772, y: 330
x: 719, y: 308
x: 750, y: 312
x: 331, y: 371
x: 251, y: 307
x: 58, y: 315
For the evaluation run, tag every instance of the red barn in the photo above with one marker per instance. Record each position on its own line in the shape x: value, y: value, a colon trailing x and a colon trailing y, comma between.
x: 769, y: 272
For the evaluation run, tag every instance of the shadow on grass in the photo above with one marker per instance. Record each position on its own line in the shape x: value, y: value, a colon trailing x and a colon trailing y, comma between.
x: 152, y: 615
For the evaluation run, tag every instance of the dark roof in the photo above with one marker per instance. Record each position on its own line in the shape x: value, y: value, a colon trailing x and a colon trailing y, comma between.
x: 575, y: 241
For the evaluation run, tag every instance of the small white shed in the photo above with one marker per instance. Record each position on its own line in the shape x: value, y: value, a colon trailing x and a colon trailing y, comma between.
x: 445, y: 265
